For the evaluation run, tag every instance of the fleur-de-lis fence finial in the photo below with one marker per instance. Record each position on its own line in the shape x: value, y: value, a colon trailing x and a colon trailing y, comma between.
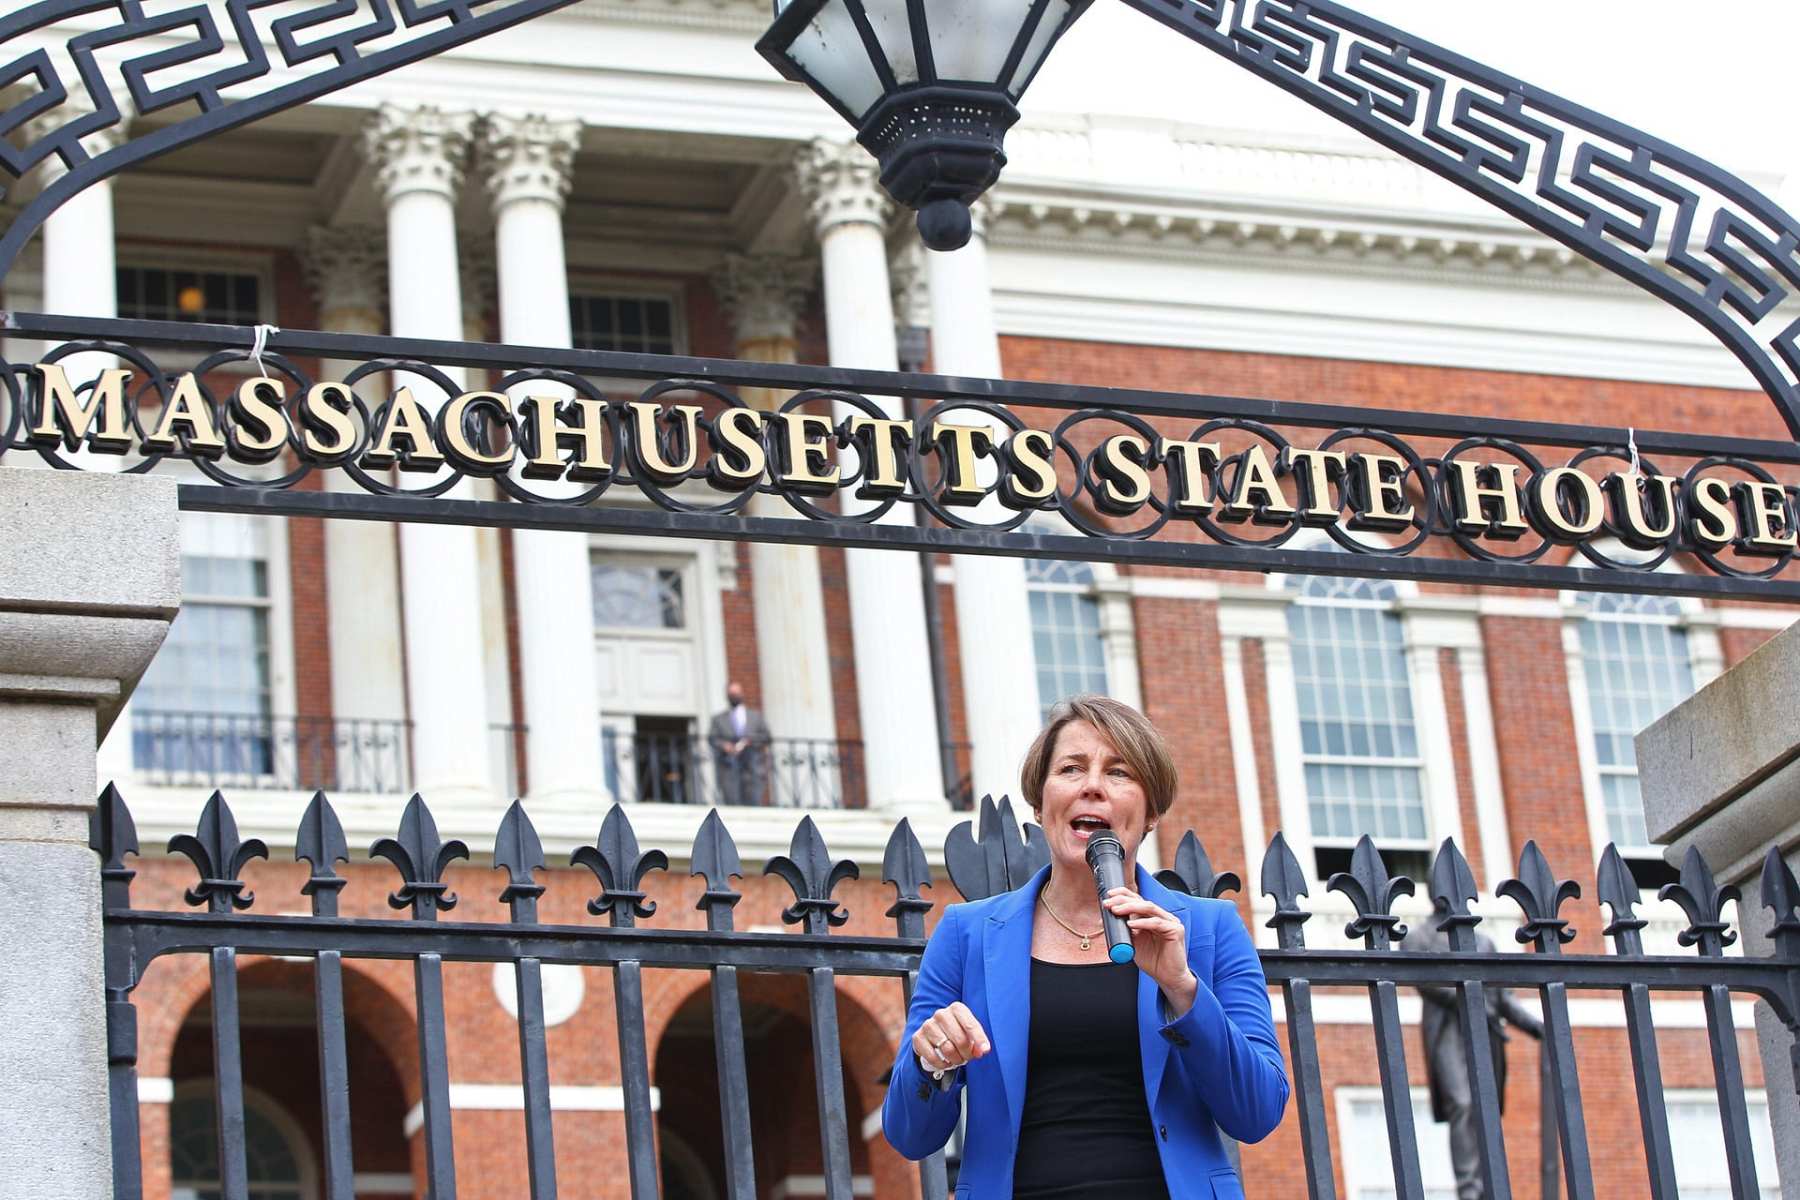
x: 1285, y: 883
x: 519, y: 853
x: 904, y: 865
x: 1452, y: 887
x: 1372, y: 891
x: 808, y: 870
x: 112, y: 835
x: 998, y: 860
x: 1781, y: 895
x: 619, y: 866
x: 321, y: 844
x: 1617, y: 888
x: 1704, y: 901
x: 219, y: 855
x: 421, y: 858
x: 1540, y: 895
x: 715, y: 859
x: 1193, y: 872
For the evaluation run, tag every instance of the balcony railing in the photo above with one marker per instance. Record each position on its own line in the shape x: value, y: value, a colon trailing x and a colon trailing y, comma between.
x: 204, y: 749
x: 676, y: 768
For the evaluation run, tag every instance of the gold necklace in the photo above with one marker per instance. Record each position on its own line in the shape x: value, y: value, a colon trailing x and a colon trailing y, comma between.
x: 1087, y: 939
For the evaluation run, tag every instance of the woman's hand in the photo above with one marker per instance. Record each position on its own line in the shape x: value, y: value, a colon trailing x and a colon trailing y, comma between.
x: 1159, y: 940
x: 950, y: 1037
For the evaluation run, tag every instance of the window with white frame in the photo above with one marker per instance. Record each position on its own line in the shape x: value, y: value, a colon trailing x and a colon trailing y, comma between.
x: 1702, y: 1171
x: 630, y: 322
x: 1638, y: 665
x: 203, y: 707
x: 275, y: 1160
x: 1065, y: 630
x: 1359, y: 744
x: 1368, y: 1170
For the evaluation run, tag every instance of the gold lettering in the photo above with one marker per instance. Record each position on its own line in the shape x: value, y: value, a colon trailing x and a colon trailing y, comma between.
x: 1317, y: 506
x: 1630, y: 520
x: 406, y: 421
x: 738, y: 460
x: 1716, y: 525
x: 189, y: 412
x: 877, y: 440
x: 1256, y: 477
x: 1767, y: 517
x: 1471, y: 497
x: 547, y: 436
x: 453, y: 431
x: 1188, y: 465
x: 958, y: 442
x: 327, y: 432
x: 64, y: 419
x: 1550, y: 489
x: 647, y: 446
x: 1124, y: 481
x: 1028, y: 452
x: 257, y: 429
x: 1378, y: 498
x: 803, y: 448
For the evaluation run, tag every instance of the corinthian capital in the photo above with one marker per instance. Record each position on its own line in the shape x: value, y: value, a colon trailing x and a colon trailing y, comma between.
x: 841, y: 183
x: 346, y: 267
x: 764, y: 293
x: 420, y: 149
x: 528, y: 157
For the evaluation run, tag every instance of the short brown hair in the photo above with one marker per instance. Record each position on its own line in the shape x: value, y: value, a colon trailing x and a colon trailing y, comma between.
x: 1131, y: 734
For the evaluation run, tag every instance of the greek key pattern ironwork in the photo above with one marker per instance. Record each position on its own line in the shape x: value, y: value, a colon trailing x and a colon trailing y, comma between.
x: 1671, y: 222
x: 73, y: 61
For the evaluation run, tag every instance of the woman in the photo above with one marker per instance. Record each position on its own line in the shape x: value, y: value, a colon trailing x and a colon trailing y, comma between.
x: 1089, y: 1079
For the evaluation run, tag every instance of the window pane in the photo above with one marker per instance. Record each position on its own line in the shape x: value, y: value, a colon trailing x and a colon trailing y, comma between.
x: 1637, y: 665
x: 634, y: 324
x: 630, y: 596
x: 1065, y: 627
x: 163, y: 294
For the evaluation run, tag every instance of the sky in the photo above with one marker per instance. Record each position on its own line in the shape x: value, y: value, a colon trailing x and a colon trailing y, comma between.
x: 1724, y: 90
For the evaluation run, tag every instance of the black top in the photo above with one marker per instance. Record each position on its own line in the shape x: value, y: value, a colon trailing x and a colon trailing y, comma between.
x: 1086, y: 1132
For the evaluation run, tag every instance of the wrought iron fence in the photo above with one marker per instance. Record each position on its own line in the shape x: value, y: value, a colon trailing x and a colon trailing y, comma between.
x: 982, y: 859
x: 264, y: 753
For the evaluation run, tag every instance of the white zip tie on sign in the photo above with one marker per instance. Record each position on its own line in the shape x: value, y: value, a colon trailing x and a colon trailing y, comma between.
x: 1631, y: 445
x: 259, y: 345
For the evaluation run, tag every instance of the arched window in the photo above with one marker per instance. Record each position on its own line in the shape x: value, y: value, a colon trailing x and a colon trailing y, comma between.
x: 1358, y: 740
x: 1638, y: 665
x: 1065, y: 630
x: 276, y: 1161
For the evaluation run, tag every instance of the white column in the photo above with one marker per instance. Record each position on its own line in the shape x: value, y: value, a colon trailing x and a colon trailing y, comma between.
x: 347, y: 269
x: 887, y: 607
x: 993, y: 614
x: 419, y: 154
x: 528, y: 162
x: 764, y: 295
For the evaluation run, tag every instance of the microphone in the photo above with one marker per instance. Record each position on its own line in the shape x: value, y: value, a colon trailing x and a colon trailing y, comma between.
x: 1107, y: 858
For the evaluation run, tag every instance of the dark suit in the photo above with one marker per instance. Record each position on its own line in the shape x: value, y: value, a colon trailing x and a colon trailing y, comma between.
x: 743, y: 776
x: 1446, y: 1058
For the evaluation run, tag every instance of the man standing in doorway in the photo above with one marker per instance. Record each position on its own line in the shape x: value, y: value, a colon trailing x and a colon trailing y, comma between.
x: 740, y: 746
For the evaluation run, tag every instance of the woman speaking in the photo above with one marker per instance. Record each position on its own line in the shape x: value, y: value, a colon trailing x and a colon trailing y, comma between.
x: 1090, y: 1079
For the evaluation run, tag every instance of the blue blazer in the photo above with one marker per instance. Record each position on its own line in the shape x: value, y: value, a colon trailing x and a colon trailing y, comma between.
x: 1217, y: 1067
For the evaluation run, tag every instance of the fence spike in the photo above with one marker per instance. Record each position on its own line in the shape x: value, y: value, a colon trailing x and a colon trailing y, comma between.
x: 1373, y: 892
x: 112, y: 834
x: 421, y: 857
x: 1284, y: 881
x: 1452, y: 887
x: 219, y: 855
x: 1704, y: 901
x: 1781, y: 895
x: 1618, y: 889
x: 715, y: 858
x: 808, y: 870
x: 998, y: 859
x: 904, y: 865
x: 616, y: 862
x: 519, y: 852
x: 1193, y: 872
x: 1540, y: 895
x: 320, y: 843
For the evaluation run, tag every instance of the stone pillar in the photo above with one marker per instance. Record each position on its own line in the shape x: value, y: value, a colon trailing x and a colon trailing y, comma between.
x: 347, y: 269
x: 764, y: 295
x: 419, y: 155
x: 887, y: 607
x: 993, y: 612
x: 78, y: 625
x: 1721, y: 771
x: 528, y: 162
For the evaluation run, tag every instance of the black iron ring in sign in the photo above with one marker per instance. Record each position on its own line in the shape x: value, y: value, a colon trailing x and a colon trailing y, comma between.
x: 1225, y: 481
x: 1473, y: 546
x: 864, y: 516
x: 1425, y: 509
x: 153, y: 381
x: 515, y: 483
x: 373, y: 421
x: 1647, y: 470
x: 1711, y: 557
x: 1087, y: 482
x: 15, y: 406
x: 224, y: 420
x: 931, y: 498
x: 703, y: 428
